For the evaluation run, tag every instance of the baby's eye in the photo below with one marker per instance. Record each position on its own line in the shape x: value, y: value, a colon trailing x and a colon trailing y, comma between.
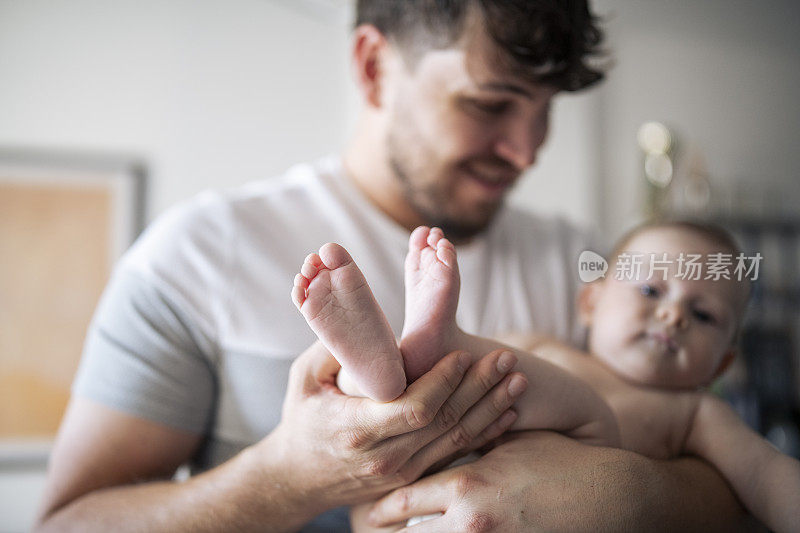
x: 649, y: 291
x: 703, y: 316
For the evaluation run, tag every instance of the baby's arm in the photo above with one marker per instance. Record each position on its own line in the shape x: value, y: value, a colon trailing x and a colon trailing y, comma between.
x: 555, y: 399
x: 766, y: 481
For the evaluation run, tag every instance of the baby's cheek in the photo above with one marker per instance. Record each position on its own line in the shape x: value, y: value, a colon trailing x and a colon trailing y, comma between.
x: 605, y: 339
x: 615, y: 328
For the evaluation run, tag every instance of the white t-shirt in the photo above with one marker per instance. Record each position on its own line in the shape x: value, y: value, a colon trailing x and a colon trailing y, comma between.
x: 196, y: 329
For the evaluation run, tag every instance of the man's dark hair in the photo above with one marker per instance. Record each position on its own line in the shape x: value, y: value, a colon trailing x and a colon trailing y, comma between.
x: 542, y: 41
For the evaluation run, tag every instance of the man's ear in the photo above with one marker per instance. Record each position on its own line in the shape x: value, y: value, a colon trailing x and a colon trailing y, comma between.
x: 369, y: 46
x: 727, y: 359
x: 587, y: 301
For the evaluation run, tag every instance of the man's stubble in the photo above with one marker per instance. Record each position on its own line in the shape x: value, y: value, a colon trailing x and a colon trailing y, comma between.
x: 428, y: 198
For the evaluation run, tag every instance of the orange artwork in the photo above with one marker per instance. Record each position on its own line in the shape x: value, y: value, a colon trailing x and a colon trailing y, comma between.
x: 55, y: 259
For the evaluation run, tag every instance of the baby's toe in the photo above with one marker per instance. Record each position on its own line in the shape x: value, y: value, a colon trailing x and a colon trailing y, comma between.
x: 446, y: 252
x: 309, y: 270
x: 434, y: 237
x: 419, y: 238
x: 298, y: 296
x: 334, y: 256
x: 301, y: 281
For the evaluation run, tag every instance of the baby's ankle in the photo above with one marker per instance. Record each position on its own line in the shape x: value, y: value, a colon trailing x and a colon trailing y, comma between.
x: 443, y: 340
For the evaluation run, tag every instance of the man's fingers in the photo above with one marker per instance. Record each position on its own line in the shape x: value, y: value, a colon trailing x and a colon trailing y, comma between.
x: 313, y: 367
x: 479, y: 380
x: 323, y: 364
x: 427, y: 496
x: 489, y: 416
x: 420, y: 403
x: 495, y: 430
x: 445, y: 443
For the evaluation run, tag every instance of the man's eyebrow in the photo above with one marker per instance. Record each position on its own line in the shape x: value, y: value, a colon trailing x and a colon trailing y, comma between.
x: 506, y: 88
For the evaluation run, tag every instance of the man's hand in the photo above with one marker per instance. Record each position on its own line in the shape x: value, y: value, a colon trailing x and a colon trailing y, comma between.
x: 343, y: 450
x: 545, y: 481
x: 328, y: 450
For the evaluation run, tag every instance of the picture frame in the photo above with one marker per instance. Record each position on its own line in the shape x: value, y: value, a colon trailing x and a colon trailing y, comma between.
x: 66, y: 217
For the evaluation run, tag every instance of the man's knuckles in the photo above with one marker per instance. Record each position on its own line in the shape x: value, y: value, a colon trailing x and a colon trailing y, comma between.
x: 466, y: 481
x: 355, y: 438
x: 460, y: 437
x: 418, y: 414
x: 380, y: 466
x: 480, y: 522
x: 447, y: 416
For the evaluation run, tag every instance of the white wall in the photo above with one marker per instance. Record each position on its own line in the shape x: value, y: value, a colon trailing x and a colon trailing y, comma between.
x: 565, y: 178
x: 724, y: 75
x: 19, y: 498
x: 209, y: 93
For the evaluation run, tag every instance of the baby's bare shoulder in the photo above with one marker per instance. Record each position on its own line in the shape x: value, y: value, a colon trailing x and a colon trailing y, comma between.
x: 526, y: 340
x: 653, y: 421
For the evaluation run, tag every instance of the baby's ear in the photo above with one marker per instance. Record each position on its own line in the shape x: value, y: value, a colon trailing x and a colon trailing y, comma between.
x: 587, y: 301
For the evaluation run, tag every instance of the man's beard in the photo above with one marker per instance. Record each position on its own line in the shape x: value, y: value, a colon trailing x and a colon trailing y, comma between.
x: 430, y: 202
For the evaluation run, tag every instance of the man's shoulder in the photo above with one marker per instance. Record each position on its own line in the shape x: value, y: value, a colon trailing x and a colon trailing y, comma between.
x: 208, y: 223
x: 194, y: 242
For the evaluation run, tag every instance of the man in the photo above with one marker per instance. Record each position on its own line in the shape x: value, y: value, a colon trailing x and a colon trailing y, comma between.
x: 188, y: 358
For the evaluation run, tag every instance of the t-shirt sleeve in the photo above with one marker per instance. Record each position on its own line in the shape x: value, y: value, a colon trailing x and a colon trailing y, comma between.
x: 145, y: 355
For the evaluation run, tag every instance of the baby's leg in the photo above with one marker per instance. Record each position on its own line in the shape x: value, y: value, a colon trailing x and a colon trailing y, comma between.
x: 337, y: 303
x: 432, y: 285
x: 554, y: 399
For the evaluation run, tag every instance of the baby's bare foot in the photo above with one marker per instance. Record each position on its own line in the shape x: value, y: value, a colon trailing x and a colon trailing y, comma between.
x: 337, y: 303
x: 432, y: 284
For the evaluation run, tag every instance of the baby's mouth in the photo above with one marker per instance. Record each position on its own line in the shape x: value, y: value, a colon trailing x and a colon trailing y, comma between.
x: 664, y: 339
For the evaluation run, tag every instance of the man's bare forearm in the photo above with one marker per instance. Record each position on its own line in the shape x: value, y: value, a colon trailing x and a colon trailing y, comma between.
x: 541, y: 480
x: 691, y: 494
x: 631, y: 492
x: 242, y: 494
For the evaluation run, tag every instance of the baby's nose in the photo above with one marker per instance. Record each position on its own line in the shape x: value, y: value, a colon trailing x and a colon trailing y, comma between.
x: 672, y: 314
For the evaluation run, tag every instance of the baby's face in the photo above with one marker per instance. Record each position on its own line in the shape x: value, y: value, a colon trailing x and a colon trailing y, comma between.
x: 668, y: 333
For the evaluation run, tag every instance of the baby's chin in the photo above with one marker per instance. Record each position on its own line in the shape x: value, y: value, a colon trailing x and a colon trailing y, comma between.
x: 648, y: 365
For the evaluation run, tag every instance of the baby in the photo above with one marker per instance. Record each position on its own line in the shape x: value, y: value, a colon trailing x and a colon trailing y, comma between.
x: 653, y: 344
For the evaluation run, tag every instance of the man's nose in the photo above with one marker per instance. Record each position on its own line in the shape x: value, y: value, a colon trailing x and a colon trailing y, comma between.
x: 520, y: 142
x: 672, y: 314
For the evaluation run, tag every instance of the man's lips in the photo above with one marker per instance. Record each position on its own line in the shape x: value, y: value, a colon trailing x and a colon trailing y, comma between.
x: 492, y: 183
